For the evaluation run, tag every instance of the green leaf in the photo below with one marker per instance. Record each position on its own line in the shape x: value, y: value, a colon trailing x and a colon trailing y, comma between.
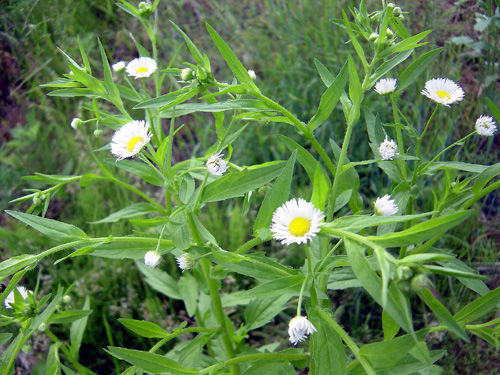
x: 327, y: 350
x: 14, y: 264
x: 150, y: 362
x: 355, y: 223
x: 456, y: 165
x: 45, y: 315
x: 484, y: 177
x: 236, y: 184
x: 160, y: 281
x: 354, y: 41
x: 230, y: 105
x: 52, y: 179
x: 261, y: 311
x: 405, y: 44
x: 355, y: 92
x: 114, y: 94
x: 373, y: 284
x: 280, y: 286
x: 329, y: 99
x: 480, y: 307
x: 188, y: 289
x: 387, y: 353
x: 387, y: 66
x: 324, y: 73
x: 425, y: 257
x: 4, y: 337
x: 77, y: 329
x: 136, y: 209
x: 442, y: 313
x: 144, y: 171
x: 192, y: 47
x: 389, y: 326
x: 178, y: 230
x: 276, y: 196
x: 421, y: 231
x: 51, y: 228
x: 171, y: 99
x: 412, y: 72
x: 232, y: 61
x: 68, y: 316
x: 144, y: 328
x: 453, y: 272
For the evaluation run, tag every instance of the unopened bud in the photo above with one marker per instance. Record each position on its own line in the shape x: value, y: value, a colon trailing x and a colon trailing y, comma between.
x: 42, y: 327
x: 145, y: 8
x: 152, y: 259
x: 401, y: 17
x: 119, y: 67
x: 66, y: 299
x: 252, y: 75
x: 202, y: 74
x: 373, y: 37
x: 391, y: 5
x: 26, y: 348
x: 389, y: 33
x: 29, y: 312
x: 76, y: 123
x: 404, y: 273
x: 396, y: 12
x: 187, y: 74
x: 98, y: 133
x: 404, y: 286
x: 419, y: 282
x: 264, y: 121
x: 37, y: 201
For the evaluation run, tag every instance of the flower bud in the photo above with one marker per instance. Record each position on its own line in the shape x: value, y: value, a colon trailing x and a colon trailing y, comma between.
x: 152, y: 259
x: 185, y: 261
x: 404, y: 286
x: 202, y: 74
x: 401, y: 17
x: 26, y: 348
x: 145, y: 8
x: 119, y: 67
x: 98, y: 133
x: 42, y: 327
x: 66, y: 299
x: 391, y: 5
x: 373, y: 37
x: 76, y: 123
x: 187, y: 74
x: 404, y: 273
x: 37, y: 201
x: 29, y: 311
x: 252, y: 75
x: 389, y: 34
x: 264, y: 121
x: 419, y: 282
x: 396, y: 12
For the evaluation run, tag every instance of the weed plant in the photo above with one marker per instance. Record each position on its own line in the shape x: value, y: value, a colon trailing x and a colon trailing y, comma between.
x: 289, y: 31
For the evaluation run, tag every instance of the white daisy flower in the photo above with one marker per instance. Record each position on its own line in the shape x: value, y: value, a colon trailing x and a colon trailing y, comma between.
x: 296, y: 221
x: 185, y: 261
x: 118, y: 67
x: 216, y: 165
x: 385, y: 206
x: 252, y: 75
x: 10, y: 298
x: 386, y: 86
x: 485, y: 125
x: 443, y: 91
x: 387, y: 149
x: 141, y: 67
x: 130, y: 139
x: 298, y: 328
x: 152, y: 259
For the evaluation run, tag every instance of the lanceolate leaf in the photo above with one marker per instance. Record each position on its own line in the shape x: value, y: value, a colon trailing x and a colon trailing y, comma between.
x: 276, y: 196
x: 51, y: 228
x: 411, y: 73
x: 144, y: 328
x: 480, y: 307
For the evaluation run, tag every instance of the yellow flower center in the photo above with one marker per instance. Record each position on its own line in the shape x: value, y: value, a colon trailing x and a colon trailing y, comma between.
x: 142, y: 69
x: 443, y: 94
x: 133, y: 142
x: 299, y: 226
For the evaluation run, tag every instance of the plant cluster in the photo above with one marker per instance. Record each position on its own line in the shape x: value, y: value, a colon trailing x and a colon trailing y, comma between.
x: 390, y: 249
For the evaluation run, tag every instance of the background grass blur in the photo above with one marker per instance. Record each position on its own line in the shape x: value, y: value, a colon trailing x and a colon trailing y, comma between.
x: 279, y: 39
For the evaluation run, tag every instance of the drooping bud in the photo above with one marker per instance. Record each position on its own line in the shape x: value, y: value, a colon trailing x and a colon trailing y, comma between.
x: 419, y: 282
x: 76, y: 123
x: 152, y: 259
x: 252, y: 75
x: 98, y: 133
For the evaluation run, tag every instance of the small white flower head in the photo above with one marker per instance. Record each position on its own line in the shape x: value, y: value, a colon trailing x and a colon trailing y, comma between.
x: 298, y: 328
x: 387, y: 149
x: 10, y: 298
x: 252, y: 75
x: 152, y: 259
x: 216, y: 165
x: 118, y: 67
x: 385, y: 86
x: 141, y: 67
x: 443, y: 91
x: 485, y: 125
x: 130, y: 139
x: 385, y: 206
x: 76, y: 123
x: 296, y: 221
x: 185, y: 261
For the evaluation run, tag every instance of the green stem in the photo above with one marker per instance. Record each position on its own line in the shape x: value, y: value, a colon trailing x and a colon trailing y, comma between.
x: 419, y: 144
x: 399, y: 134
x: 254, y: 357
x: 312, y: 289
x: 446, y: 149
x: 348, y: 341
x: 214, y: 293
x: 200, y: 191
x: 481, y: 194
x: 81, y: 369
x: 11, y: 360
x: 248, y: 245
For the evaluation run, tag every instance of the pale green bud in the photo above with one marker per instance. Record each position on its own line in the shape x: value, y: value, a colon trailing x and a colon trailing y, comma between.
x: 145, y: 8
x: 389, y: 33
x: 98, y: 133
x: 391, y: 5
x: 76, y: 123
x: 187, y: 74
x: 202, y: 74
x: 419, y: 282
x: 396, y: 12
x: 404, y: 273
x: 373, y: 37
x: 42, y: 327
x: 264, y: 121
x: 26, y: 348
x: 66, y: 299
x: 252, y: 75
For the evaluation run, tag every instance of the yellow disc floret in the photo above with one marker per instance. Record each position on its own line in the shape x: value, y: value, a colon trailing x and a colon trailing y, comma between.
x: 443, y: 94
x: 133, y: 142
x: 299, y: 226
x: 142, y: 69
